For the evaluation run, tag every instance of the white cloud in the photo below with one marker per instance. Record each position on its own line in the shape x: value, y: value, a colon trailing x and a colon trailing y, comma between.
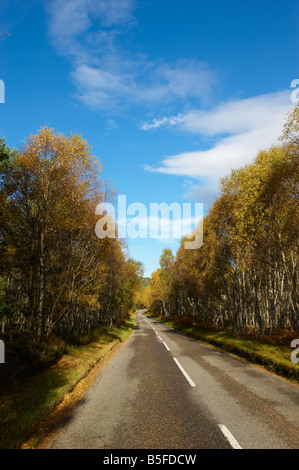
x: 111, y: 124
x: 241, y: 128
x: 233, y: 117
x: 69, y: 18
x: 83, y: 29
x: 163, y: 122
x: 90, y: 33
x: 108, y: 87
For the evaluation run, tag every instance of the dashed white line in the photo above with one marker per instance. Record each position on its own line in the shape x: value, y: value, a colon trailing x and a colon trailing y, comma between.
x: 157, y: 334
x: 184, y: 372
x: 233, y: 442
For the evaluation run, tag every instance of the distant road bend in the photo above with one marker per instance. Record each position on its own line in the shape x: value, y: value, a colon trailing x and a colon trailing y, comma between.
x: 163, y: 390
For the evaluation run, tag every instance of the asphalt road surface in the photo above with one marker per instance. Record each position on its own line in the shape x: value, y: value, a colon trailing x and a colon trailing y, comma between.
x: 163, y: 390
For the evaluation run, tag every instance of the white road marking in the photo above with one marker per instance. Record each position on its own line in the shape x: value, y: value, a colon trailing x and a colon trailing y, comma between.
x: 158, y: 335
x: 151, y: 326
x: 233, y: 442
x: 184, y: 372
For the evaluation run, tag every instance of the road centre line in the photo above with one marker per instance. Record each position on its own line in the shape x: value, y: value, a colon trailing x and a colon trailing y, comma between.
x: 176, y: 361
x: 158, y: 336
x: 230, y: 438
x: 233, y: 442
x: 150, y: 325
x: 185, y: 373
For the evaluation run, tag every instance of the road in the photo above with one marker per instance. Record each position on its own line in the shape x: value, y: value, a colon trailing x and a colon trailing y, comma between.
x: 163, y: 390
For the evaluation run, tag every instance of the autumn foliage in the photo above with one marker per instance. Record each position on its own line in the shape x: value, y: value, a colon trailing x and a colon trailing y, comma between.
x: 57, y: 277
x: 245, y: 275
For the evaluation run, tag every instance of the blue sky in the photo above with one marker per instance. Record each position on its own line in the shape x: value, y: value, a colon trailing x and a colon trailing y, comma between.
x: 170, y: 95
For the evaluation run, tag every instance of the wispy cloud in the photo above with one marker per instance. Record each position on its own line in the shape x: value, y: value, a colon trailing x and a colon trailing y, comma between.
x: 91, y: 34
x: 69, y: 19
x: 163, y: 122
x: 111, y: 124
x: 232, y: 117
x: 237, y: 130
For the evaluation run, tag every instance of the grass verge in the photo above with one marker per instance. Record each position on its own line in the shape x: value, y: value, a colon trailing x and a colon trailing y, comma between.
x: 31, y: 411
x: 275, y: 358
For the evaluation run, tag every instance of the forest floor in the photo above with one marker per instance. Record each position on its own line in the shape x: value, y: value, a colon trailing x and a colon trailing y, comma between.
x: 274, y: 353
x: 34, y: 408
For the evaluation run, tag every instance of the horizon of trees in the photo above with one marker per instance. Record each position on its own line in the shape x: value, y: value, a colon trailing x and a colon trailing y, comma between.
x: 245, y: 275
